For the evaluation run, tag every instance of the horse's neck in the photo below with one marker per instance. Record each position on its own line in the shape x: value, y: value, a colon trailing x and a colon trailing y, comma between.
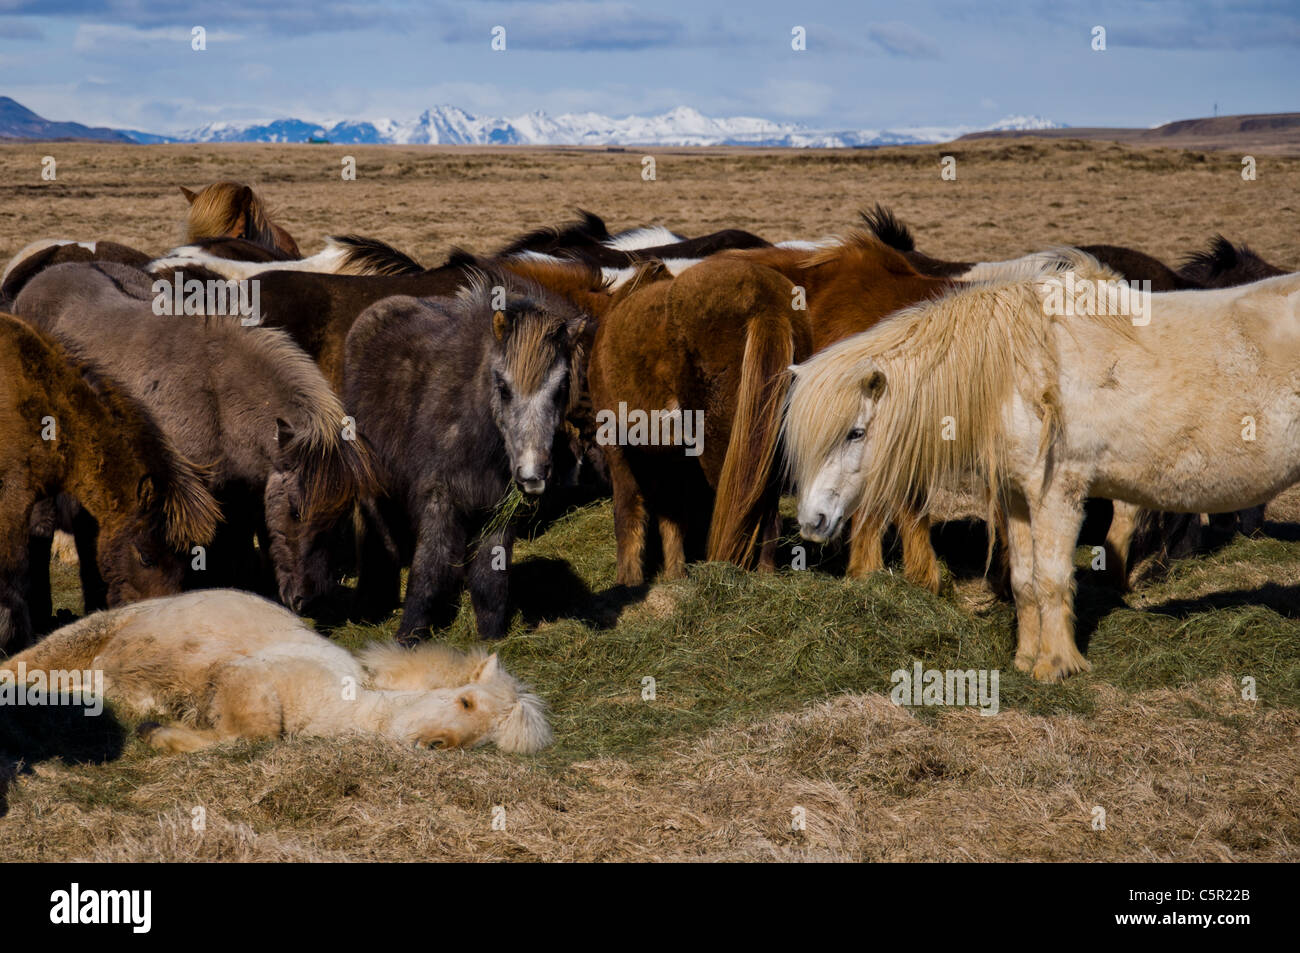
x: 378, y: 710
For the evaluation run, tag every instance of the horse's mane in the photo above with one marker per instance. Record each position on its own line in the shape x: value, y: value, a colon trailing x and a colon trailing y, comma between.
x: 861, y: 245
x: 370, y: 256
x: 188, y: 509
x: 559, y: 276
x: 30, y: 249
x: 334, y: 470
x: 857, y: 244
x: 882, y: 223
x: 959, y: 356
x: 1222, y: 257
x: 218, y: 209
x: 540, y: 317
x: 589, y: 227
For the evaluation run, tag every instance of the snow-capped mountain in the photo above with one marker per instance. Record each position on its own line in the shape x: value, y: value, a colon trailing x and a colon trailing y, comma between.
x: 682, y: 126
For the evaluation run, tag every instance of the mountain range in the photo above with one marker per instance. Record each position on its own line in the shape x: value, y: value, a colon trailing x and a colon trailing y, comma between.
x: 451, y: 125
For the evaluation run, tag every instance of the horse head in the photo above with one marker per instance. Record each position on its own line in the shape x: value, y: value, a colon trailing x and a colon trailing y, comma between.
x: 534, y: 338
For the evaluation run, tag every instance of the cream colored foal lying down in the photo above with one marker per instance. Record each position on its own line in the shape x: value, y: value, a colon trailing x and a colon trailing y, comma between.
x: 233, y: 665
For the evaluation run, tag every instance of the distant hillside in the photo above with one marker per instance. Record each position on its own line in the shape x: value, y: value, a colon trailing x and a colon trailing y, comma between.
x: 450, y: 125
x: 19, y: 122
x: 1268, y: 133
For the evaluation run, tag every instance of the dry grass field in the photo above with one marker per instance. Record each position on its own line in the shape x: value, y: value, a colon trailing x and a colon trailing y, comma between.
x: 771, y: 692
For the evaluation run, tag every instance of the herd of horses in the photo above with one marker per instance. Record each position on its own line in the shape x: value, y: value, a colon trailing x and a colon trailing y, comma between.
x: 378, y: 414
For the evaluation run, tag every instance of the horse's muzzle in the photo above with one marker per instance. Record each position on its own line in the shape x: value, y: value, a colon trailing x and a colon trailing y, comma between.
x: 820, y: 529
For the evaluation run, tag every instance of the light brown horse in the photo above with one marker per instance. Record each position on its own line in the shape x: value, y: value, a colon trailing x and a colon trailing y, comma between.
x: 234, y: 210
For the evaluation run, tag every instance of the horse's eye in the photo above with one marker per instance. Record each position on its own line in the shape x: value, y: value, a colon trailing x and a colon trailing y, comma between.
x: 467, y: 702
x: 856, y: 434
x: 503, y: 391
x: 145, y: 560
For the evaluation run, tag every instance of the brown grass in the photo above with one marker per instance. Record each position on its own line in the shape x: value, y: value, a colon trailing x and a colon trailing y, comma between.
x: 756, y: 715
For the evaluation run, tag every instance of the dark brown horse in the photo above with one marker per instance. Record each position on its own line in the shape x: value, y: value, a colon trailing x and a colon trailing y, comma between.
x: 462, y: 398
x: 65, y: 429
x: 46, y: 253
x: 1131, y: 264
x: 1225, y: 265
x: 587, y: 240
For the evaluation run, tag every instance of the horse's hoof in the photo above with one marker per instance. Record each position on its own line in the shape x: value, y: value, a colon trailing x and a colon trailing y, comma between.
x: 1024, y: 661
x: 144, y: 731
x: 1056, y: 668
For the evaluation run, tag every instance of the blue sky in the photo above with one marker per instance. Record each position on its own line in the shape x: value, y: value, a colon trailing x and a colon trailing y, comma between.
x: 128, y: 63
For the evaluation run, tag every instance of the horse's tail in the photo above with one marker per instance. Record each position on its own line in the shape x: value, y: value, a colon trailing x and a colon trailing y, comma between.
x: 749, y: 487
x: 71, y: 648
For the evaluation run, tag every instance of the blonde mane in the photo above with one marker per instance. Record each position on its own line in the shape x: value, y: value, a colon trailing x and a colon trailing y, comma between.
x: 955, y: 361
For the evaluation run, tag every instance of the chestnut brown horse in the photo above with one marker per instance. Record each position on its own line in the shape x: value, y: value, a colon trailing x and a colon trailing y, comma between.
x: 717, y: 340
x: 67, y: 430
x: 233, y: 210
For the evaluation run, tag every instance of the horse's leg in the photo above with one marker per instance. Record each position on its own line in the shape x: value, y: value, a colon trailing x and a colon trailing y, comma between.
x: 437, y: 572
x: 629, y: 518
x: 920, y: 565
x: 672, y: 536
x: 1252, y: 520
x: 866, y: 550
x: 85, y: 533
x: 1118, y: 539
x: 242, y: 703
x: 176, y: 737
x: 1055, y: 521
x: 1000, y: 580
x: 15, y: 622
x: 379, y: 573
x: 667, y: 499
x: 1020, y: 558
x: 40, y: 543
x: 489, y: 584
x: 771, y: 530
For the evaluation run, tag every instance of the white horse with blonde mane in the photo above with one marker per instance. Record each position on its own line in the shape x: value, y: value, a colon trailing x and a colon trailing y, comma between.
x: 232, y: 665
x: 1185, y: 401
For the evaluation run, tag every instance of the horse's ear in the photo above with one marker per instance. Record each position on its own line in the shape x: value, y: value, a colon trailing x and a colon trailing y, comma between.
x: 244, y: 197
x: 874, y: 384
x: 487, y: 670
x: 500, y: 325
x: 189, y: 196
x: 146, y: 492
